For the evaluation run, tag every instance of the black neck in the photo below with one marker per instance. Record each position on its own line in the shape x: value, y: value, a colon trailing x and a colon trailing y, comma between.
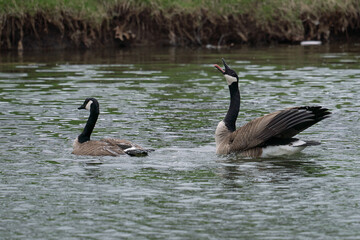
x: 90, y: 124
x: 232, y: 114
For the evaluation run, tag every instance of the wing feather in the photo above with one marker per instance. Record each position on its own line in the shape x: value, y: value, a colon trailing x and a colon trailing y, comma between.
x: 97, y: 148
x: 281, y: 124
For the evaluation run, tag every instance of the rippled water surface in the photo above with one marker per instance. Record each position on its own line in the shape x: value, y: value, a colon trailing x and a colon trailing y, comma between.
x: 171, y: 100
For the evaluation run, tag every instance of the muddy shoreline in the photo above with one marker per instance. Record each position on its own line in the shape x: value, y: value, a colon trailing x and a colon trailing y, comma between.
x: 125, y: 26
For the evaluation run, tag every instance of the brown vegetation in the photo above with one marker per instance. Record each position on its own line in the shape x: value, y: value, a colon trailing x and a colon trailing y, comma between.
x: 127, y: 25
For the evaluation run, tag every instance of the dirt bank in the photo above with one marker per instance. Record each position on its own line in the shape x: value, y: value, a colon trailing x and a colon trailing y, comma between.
x: 125, y: 25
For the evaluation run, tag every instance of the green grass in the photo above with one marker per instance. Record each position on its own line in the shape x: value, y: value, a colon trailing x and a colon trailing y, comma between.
x: 261, y: 10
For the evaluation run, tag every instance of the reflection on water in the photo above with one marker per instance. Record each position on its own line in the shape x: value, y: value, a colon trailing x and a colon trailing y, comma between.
x: 171, y: 100
x: 238, y: 171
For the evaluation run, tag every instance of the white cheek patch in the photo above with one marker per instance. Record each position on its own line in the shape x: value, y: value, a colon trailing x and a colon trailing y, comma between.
x: 88, y: 105
x: 230, y: 79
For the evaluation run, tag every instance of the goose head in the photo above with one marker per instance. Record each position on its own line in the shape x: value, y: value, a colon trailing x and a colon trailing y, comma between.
x: 90, y: 104
x: 229, y: 74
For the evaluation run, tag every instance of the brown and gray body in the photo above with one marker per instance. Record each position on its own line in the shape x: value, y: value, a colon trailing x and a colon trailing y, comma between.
x: 267, y: 136
x: 104, y: 147
x: 107, y: 147
x: 270, y: 135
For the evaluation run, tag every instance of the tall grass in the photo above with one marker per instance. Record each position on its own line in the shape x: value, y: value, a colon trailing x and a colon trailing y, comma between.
x: 264, y: 10
x: 179, y: 22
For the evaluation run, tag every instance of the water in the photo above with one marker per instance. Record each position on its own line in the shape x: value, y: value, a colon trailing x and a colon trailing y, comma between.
x: 171, y: 100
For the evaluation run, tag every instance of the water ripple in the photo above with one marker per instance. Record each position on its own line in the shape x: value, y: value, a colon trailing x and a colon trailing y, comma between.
x: 172, y: 100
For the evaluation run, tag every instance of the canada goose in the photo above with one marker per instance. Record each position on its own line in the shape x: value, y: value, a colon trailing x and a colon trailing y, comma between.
x: 104, y: 147
x: 267, y: 136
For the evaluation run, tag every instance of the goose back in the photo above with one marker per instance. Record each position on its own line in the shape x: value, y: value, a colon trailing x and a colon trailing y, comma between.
x: 96, y: 148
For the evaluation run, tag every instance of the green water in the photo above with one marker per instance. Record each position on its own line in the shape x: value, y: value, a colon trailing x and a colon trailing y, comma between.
x: 171, y: 100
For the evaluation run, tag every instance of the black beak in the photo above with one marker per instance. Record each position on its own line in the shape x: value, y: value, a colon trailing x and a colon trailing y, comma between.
x: 225, y: 65
x: 82, y: 106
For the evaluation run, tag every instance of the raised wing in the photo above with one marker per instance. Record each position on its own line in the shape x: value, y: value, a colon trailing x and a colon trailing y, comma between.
x: 281, y: 124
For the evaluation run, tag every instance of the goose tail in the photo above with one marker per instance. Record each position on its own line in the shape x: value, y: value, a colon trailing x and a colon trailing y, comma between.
x: 311, y: 143
x: 136, y: 152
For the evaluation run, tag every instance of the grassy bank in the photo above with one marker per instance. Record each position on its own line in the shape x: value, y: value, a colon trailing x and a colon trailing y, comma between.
x: 96, y: 23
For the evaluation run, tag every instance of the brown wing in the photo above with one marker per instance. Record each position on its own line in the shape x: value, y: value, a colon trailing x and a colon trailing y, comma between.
x: 298, y: 125
x: 97, y: 148
x: 281, y: 124
x: 245, y: 137
x: 123, y: 144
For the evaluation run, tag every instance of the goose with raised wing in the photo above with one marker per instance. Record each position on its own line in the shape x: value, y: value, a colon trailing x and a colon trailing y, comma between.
x: 104, y: 147
x: 271, y: 135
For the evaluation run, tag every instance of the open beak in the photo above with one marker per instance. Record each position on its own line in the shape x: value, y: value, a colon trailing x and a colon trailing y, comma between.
x: 220, y: 69
x: 225, y: 65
